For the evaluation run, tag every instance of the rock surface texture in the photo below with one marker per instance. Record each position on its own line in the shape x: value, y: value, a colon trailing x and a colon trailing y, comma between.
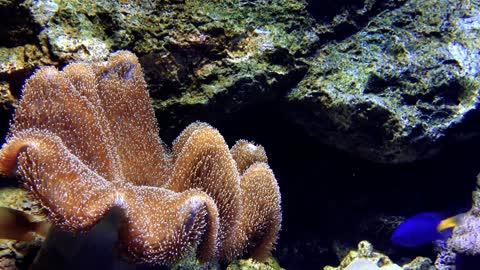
x: 365, y: 258
x: 391, y: 81
x: 399, y: 89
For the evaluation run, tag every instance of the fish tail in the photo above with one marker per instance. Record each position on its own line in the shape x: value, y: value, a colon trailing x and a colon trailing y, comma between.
x: 451, y: 222
x: 41, y: 227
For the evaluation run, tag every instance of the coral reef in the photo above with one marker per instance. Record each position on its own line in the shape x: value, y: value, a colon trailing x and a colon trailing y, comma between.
x: 340, y: 19
x: 401, y: 88
x: 84, y: 140
x: 207, y: 59
x: 446, y: 256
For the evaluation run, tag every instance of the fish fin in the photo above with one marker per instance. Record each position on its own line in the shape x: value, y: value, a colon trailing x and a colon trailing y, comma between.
x: 18, y: 225
x: 41, y: 227
x: 450, y: 222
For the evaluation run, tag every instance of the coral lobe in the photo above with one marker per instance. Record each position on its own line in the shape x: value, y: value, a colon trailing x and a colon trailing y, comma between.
x: 85, y: 140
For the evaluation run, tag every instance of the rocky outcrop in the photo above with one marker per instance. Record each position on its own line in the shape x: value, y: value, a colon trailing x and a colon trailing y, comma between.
x: 365, y: 258
x: 200, y: 58
x: 401, y: 88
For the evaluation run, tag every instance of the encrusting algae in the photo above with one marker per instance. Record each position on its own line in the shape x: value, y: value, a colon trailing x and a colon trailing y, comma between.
x: 84, y: 140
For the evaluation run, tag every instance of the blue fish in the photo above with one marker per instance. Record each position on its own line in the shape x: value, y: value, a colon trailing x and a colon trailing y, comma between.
x: 424, y: 228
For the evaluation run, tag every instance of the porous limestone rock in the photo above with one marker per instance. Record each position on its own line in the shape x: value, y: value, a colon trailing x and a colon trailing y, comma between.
x: 389, y: 96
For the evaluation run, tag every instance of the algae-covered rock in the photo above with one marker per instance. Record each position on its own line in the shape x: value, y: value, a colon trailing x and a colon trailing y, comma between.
x: 200, y: 57
x: 419, y: 263
x: 241, y: 53
x: 465, y: 239
x: 15, y: 64
x: 340, y: 19
x: 250, y: 264
x: 397, y: 90
x: 190, y: 262
x: 365, y: 258
x: 401, y: 88
x: 6, y: 97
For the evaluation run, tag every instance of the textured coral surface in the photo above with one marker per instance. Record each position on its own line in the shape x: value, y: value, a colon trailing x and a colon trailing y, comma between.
x: 84, y: 140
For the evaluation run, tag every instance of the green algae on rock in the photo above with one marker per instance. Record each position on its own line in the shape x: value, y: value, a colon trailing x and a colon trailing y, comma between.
x: 249, y: 264
x: 15, y: 64
x: 419, y: 263
x: 340, y: 19
x: 397, y: 90
x: 240, y: 54
x: 198, y: 56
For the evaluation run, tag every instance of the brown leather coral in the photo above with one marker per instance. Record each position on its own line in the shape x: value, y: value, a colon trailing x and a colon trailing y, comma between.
x: 85, y: 140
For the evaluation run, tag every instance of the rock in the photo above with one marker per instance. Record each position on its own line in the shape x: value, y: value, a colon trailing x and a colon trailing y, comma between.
x: 242, y: 54
x: 6, y: 98
x: 419, y: 263
x: 401, y: 88
x: 340, y: 19
x: 249, y: 264
x: 202, y: 59
x: 14, y: 253
x: 190, y: 262
x: 364, y: 264
x: 15, y: 64
x: 365, y: 258
x: 388, y: 96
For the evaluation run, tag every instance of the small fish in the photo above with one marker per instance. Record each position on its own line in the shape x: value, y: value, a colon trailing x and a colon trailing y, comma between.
x: 18, y: 225
x: 424, y: 228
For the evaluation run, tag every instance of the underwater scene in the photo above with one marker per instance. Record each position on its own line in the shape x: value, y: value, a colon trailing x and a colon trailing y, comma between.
x: 236, y: 134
